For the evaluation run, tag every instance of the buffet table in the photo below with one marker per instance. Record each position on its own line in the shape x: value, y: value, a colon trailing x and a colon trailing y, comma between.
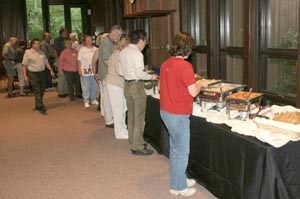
x: 231, y: 165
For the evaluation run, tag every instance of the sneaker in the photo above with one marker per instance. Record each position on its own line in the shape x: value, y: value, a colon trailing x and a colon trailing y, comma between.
x: 95, y: 102
x: 142, y: 152
x: 86, y: 105
x: 185, y: 192
x: 190, y: 182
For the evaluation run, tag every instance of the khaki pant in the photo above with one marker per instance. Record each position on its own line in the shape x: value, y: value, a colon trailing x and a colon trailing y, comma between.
x: 136, y: 105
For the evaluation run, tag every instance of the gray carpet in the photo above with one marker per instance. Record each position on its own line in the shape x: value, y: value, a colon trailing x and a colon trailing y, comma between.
x: 69, y: 154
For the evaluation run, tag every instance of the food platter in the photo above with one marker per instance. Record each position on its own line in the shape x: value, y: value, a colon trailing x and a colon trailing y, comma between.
x: 243, y: 102
x: 217, y: 93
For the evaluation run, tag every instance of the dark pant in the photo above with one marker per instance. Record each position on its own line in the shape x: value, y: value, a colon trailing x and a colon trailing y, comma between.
x: 136, y: 104
x: 37, y: 81
x: 48, y: 79
x: 73, y: 81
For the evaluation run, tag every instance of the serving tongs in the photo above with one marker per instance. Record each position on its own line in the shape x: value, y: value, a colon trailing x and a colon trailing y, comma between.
x: 250, y: 92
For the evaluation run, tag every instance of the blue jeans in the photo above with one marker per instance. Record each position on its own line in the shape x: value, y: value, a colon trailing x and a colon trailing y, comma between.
x: 179, y: 131
x: 89, y: 88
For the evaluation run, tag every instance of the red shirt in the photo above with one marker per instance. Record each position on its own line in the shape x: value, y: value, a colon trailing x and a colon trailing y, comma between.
x: 68, y: 60
x: 175, y: 76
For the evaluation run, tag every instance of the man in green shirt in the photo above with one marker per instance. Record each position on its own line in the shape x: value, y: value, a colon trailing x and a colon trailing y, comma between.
x: 105, y: 50
x: 8, y: 54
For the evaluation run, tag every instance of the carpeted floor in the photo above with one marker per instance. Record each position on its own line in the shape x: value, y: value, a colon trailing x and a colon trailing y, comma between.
x: 70, y: 154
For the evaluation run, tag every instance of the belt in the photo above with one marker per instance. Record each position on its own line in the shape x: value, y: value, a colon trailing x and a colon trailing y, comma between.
x: 134, y: 80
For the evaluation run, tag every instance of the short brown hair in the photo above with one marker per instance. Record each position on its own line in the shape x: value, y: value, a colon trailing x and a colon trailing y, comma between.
x: 182, y: 44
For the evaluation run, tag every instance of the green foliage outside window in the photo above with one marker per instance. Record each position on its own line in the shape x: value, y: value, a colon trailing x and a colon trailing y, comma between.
x: 57, y: 19
x: 34, y: 19
x: 286, y: 84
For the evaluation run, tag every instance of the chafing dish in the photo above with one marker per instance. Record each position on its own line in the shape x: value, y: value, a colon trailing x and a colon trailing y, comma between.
x: 217, y: 93
x: 242, y: 103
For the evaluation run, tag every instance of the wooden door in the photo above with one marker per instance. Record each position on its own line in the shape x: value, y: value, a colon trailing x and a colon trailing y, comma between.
x: 160, y: 39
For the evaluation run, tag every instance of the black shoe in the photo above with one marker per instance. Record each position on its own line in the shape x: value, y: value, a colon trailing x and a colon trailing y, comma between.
x: 62, y: 95
x: 110, y: 126
x: 142, y: 152
x: 145, y: 145
x: 42, y: 110
x: 11, y: 95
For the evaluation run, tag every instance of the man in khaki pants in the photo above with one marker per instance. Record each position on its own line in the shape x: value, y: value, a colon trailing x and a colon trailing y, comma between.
x: 132, y: 66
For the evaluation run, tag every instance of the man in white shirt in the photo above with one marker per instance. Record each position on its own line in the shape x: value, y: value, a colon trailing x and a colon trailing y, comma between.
x: 132, y: 68
x: 34, y: 64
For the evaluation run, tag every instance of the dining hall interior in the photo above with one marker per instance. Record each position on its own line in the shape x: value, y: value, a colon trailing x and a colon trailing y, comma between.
x: 244, y: 126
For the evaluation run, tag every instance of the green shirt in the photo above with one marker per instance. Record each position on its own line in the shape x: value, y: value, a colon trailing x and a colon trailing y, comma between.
x: 105, y: 50
x: 19, y: 55
x: 8, y: 51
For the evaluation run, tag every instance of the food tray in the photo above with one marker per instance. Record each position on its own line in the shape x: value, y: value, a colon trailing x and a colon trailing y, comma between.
x: 219, y: 91
x: 294, y: 135
x: 242, y: 97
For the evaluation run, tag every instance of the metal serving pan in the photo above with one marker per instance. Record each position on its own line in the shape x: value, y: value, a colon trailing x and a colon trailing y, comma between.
x: 219, y: 91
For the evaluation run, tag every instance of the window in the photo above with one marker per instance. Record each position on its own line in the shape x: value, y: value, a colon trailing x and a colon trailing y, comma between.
x: 281, y: 76
x: 199, y: 23
x: 282, y: 23
x: 76, y: 20
x: 57, y: 19
x: 279, y: 40
x: 232, y: 40
x: 198, y: 12
x: 34, y: 19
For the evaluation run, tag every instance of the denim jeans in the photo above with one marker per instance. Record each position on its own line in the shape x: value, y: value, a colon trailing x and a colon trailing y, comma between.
x: 89, y: 88
x: 179, y: 131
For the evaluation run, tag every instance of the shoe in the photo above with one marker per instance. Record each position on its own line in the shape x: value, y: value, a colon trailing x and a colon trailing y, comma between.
x: 142, y: 152
x: 42, y: 110
x: 72, y: 99
x: 22, y: 94
x: 61, y: 95
x: 190, y: 182
x: 185, y: 192
x: 11, y: 95
x: 145, y: 145
x: 95, y: 102
x: 86, y: 105
x: 110, y: 125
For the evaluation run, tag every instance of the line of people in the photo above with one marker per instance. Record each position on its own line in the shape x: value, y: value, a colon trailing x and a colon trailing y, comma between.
x: 117, y: 66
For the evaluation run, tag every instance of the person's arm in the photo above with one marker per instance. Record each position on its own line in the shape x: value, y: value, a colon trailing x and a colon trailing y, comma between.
x: 61, y: 63
x: 4, y: 54
x: 24, y: 63
x: 95, y: 60
x: 139, y: 69
x: 48, y: 65
x: 25, y: 73
x: 79, y: 68
x: 194, y: 89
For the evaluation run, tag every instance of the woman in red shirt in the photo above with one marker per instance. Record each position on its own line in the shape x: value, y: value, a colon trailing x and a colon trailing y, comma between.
x: 178, y: 88
x: 69, y: 66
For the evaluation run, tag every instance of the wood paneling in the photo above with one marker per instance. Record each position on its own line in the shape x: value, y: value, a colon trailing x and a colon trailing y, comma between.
x: 160, y: 40
x: 164, y: 23
x: 298, y: 68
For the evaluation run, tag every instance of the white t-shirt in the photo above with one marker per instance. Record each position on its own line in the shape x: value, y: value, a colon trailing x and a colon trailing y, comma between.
x: 85, y: 56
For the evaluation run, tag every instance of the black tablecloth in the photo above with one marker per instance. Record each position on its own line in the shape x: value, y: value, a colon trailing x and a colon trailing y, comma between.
x: 155, y: 132
x: 230, y: 165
